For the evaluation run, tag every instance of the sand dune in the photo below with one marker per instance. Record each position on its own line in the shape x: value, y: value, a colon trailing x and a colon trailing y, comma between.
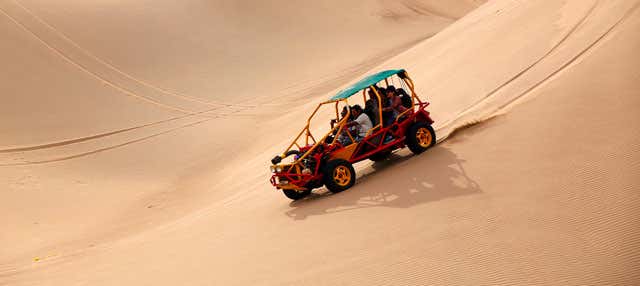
x: 131, y: 152
x: 116, y: 87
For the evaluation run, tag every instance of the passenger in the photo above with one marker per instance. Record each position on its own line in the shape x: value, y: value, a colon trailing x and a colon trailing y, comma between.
x: 394, y: 105
x: 361, y: 121
x: 371, y: 108
x: 396, y: 102
x: 388, y: 112
x: 405, y: 97
x: 343, y: 113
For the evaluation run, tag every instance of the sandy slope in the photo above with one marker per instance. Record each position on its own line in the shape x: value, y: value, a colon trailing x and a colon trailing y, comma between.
x: 101, y: 123
x: 546, y: 194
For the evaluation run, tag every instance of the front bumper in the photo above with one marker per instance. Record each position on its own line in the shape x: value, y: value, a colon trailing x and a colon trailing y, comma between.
x: 280, y: 181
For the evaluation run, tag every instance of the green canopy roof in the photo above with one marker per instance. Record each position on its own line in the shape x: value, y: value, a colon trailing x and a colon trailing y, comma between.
x: 364, y: 83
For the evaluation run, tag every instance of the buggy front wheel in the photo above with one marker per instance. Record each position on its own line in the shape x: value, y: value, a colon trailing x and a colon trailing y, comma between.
x: 420, y: 137
x: 339, y: 175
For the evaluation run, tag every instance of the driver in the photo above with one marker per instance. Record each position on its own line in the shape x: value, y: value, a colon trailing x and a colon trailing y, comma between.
x: 343, y: 138
x: 343, y: 113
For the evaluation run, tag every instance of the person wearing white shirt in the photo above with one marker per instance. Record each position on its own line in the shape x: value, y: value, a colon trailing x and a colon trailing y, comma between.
x: 361, y: 122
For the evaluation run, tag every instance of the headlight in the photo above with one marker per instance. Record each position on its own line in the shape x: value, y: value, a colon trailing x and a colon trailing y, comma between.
x: 273, y: 169
x: 276, y: 169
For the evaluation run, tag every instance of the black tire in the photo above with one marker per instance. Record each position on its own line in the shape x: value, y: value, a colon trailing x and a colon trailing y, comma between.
x: 417, y: 140
x: 380, y: 156
x: 334, y: 180
x: 295, y: 195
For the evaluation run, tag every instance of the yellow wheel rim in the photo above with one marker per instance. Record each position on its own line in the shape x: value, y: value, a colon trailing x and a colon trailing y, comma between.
x: 342, y: 176
x: 424, y: 137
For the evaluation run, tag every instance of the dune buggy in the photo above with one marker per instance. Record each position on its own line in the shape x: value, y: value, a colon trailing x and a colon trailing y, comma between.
x: 328, y: 160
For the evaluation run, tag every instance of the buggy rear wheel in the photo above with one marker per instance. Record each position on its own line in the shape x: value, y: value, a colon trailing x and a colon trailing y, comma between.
x: 295, y: 195
x: 339, y: 175
x: 420, y: 137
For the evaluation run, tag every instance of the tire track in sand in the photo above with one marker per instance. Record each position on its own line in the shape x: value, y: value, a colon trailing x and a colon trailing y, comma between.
x: 89, y: 72
x: 105, y: 134
x: 84, y: 51
x: 488, y: 114
x: 101, y: 71
x: 125, y: 90
x: 63, y: 158
x: 15, y: 154
x: 526, y: 69
x: 572, y: 60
